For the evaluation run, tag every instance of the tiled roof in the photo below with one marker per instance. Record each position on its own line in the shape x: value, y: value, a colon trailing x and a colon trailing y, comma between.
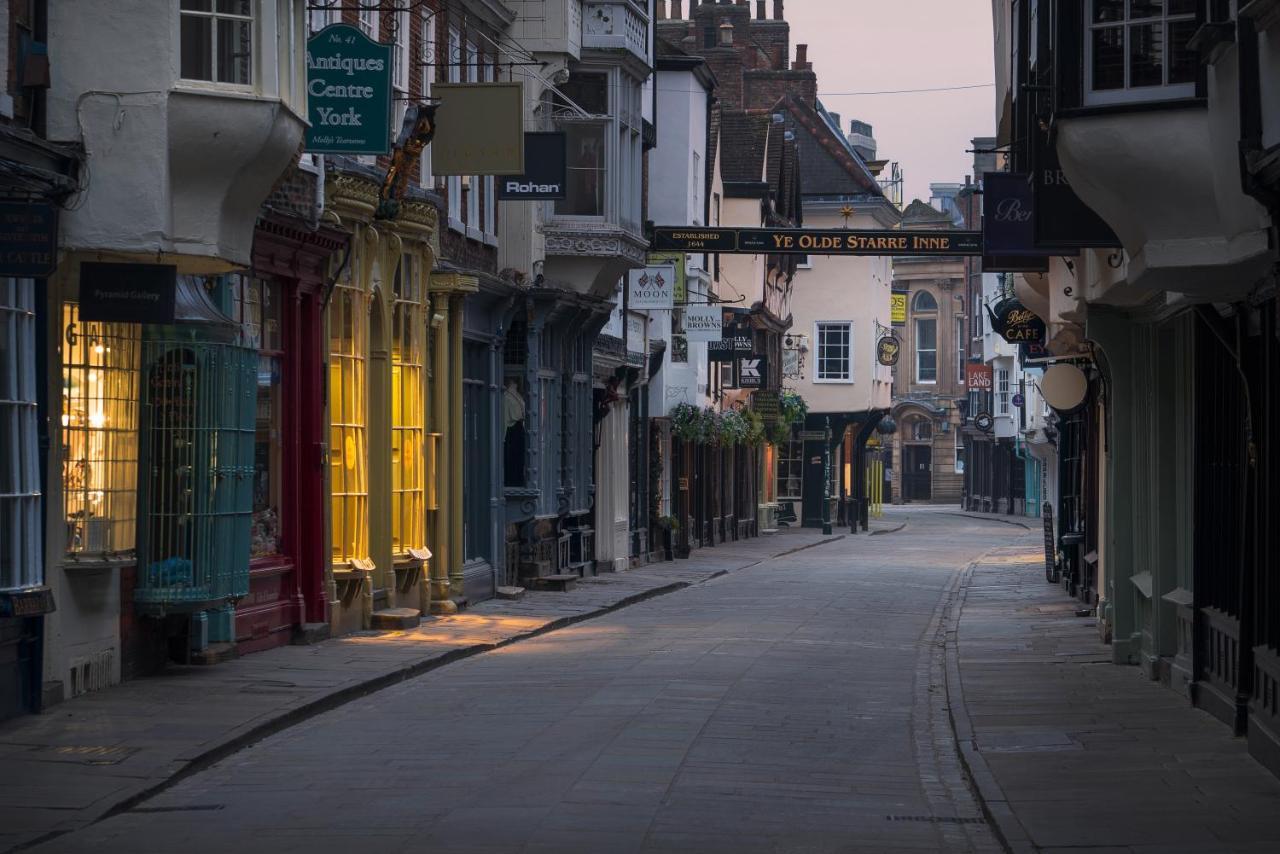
x: 830, y: 165
x: 923, y: 213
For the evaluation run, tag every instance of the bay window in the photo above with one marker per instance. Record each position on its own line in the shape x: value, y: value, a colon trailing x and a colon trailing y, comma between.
x: 20, y: 553
x: 100, y: 366
x: 604, y: 146
x: 216, y: 41
x: 1139, y: 50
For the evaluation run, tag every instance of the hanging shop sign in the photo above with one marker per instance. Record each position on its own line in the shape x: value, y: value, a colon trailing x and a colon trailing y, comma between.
x: 479, y: 129
x: 545, y: 170
x: 1018, y: 400
x: 898, y: 308
x: 1033, y: 350
x: 736, y: 338
x: 766, y: 404
x: 651, y: 288
x: 1008, y: 226
x: 348, y: 92
x: 833, y: 241
x: 978, y: 377
x: 1015, y: 322
x: 888, y: 349
x: 1062, y: 222
x: 127, y: 293
x: 753, y: 372
x: 703, y: 323
x: 1064, y: 387
x: 984, y: 422
x: 28, y: 239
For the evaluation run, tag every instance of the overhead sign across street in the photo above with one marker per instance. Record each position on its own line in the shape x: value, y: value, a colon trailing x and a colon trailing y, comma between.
x: 801, y: 241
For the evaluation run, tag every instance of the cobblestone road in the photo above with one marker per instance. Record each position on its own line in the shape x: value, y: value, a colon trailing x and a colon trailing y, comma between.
x: 790, y: 707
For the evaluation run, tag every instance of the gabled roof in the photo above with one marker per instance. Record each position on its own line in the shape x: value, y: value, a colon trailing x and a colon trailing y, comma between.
x: 924, y: 215
x: 743, y: 137
x: 830, y: 165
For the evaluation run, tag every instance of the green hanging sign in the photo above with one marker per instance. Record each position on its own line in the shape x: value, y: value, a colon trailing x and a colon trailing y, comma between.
x: 348, y: 92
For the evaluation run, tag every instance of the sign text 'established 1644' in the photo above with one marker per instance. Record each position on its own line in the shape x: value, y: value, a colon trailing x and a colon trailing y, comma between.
x: 348, y: 92
x: 794, y: 241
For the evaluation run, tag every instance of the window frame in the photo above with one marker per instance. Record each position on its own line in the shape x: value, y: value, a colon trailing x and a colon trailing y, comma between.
x: 1129, y: 94
x: 917, y: 349
x: 254, y: 20
x: 784, y: 455
x: 453, y: 73
x: 425, y: 178
x: 21, y: 551
x: 1003, y: 393
x: 818, y: 344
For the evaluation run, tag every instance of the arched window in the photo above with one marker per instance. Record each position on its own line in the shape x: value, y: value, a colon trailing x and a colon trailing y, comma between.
x: 924, y: 301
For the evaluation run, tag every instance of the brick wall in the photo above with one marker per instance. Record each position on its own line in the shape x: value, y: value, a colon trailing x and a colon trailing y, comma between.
x: 295, y: 195
x: 763, y: 89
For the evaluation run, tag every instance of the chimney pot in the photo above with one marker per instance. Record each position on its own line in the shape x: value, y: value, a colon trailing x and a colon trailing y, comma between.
x: 660, y: 10
x: 726, y: 33
x: 759, y: 10
x: 677, y: 10
x: 802, y: 57
x: 777, y: 10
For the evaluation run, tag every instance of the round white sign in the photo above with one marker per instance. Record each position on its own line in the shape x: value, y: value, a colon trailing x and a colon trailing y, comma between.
x: 1064, y: 387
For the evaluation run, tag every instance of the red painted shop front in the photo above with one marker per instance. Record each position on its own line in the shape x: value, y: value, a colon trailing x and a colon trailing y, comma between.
x: 286, y: 575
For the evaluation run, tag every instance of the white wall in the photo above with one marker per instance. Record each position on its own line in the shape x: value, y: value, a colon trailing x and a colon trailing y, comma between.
x: 843, y: 288
x: 676, y: 196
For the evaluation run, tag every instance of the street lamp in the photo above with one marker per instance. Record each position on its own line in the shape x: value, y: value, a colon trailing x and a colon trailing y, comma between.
x: 826, y: 480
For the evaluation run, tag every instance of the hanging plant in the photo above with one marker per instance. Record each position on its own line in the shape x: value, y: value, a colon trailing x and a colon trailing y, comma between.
x: 686, y: 422
x: 733, y: 428
x: 793, y: 407
x: 779, y: 432
x: 755, y: 429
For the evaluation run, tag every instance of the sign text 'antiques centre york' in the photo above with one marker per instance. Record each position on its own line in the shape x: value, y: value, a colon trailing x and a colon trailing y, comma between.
x: 763, y: 241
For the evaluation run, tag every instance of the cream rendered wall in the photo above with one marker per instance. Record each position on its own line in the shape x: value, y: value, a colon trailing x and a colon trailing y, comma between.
x: 843, y: 288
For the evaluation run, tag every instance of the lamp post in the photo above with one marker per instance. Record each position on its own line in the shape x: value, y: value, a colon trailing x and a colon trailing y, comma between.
x: 826, y: 479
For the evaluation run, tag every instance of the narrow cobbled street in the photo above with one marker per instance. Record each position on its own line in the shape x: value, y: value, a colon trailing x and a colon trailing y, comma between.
x: 788, y: 707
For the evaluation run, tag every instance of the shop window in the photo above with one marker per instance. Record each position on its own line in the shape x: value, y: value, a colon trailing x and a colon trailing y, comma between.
x: 1140, y: 50
x: 258, y: 305
x: 20, y: 553
x: 99, y: 433
x: 348, y: 433
x: 217, y: 41
x: 790, y: 472
x: 408, y: 410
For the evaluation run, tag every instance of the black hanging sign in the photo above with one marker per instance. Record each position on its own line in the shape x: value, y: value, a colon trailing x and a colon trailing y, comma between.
x: 1032, y: 350
x: 1016, y: 323
x: 545, y: 170
x: 888, y: 348
x: 753, y: 372
x: 1063, y: 223
x: 737, y: 340
x: 1008, y: 225
x: 28, y: 239
x: 127, y: 293
x: 830, y: 241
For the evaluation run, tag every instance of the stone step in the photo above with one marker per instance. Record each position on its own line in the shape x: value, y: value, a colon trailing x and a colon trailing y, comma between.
x: 512, y: 593
x: 561, y: 583
x: 394, y: 619
x: 214, y: 653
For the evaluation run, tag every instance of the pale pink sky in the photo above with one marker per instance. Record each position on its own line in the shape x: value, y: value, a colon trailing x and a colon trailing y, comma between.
x: 861, y: 45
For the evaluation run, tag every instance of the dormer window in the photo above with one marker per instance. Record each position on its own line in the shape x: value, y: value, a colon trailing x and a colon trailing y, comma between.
x: 1138, y: 50
x: 217, y: 41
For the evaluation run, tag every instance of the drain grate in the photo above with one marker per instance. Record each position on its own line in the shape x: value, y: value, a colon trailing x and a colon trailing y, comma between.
x: 936, y: 819
x: 187, y: 808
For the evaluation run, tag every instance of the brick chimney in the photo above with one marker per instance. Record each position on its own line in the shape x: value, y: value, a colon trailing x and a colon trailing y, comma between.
x: 677, y: 12
x: 802, y: 62
x: 777, y: 11
x: 759, y: 10
x: 660, y: 10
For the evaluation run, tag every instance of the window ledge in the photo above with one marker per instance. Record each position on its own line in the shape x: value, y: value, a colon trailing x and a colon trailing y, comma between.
x: 1131, y: 107
x: 474, y: 234
x: 97, y: 563
x: 490, y: 239
x: 457, y: 225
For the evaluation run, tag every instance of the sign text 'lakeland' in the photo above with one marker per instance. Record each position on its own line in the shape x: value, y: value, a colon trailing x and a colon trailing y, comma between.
x: 793, y: 241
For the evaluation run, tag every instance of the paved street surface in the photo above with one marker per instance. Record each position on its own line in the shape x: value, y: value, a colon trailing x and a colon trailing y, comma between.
x: 807, y: 704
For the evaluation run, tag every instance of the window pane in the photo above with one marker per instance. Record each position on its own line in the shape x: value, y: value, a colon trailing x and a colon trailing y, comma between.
x: 1145, y: 8
x: 234, y: 7
x: 197, y: 5
x: 585, y: 190
x: 1146, y: 55
x: 197, y: 61
x: 1183, y: 61
x: 1107, y: 10
x: 926, y: 335
x: 924, y: 301
x: 1108, y: 58
x: 235, y: 51
x: 928, y: 367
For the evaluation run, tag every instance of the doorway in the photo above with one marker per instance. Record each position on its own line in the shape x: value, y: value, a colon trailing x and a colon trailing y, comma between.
x: 917, y: 472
